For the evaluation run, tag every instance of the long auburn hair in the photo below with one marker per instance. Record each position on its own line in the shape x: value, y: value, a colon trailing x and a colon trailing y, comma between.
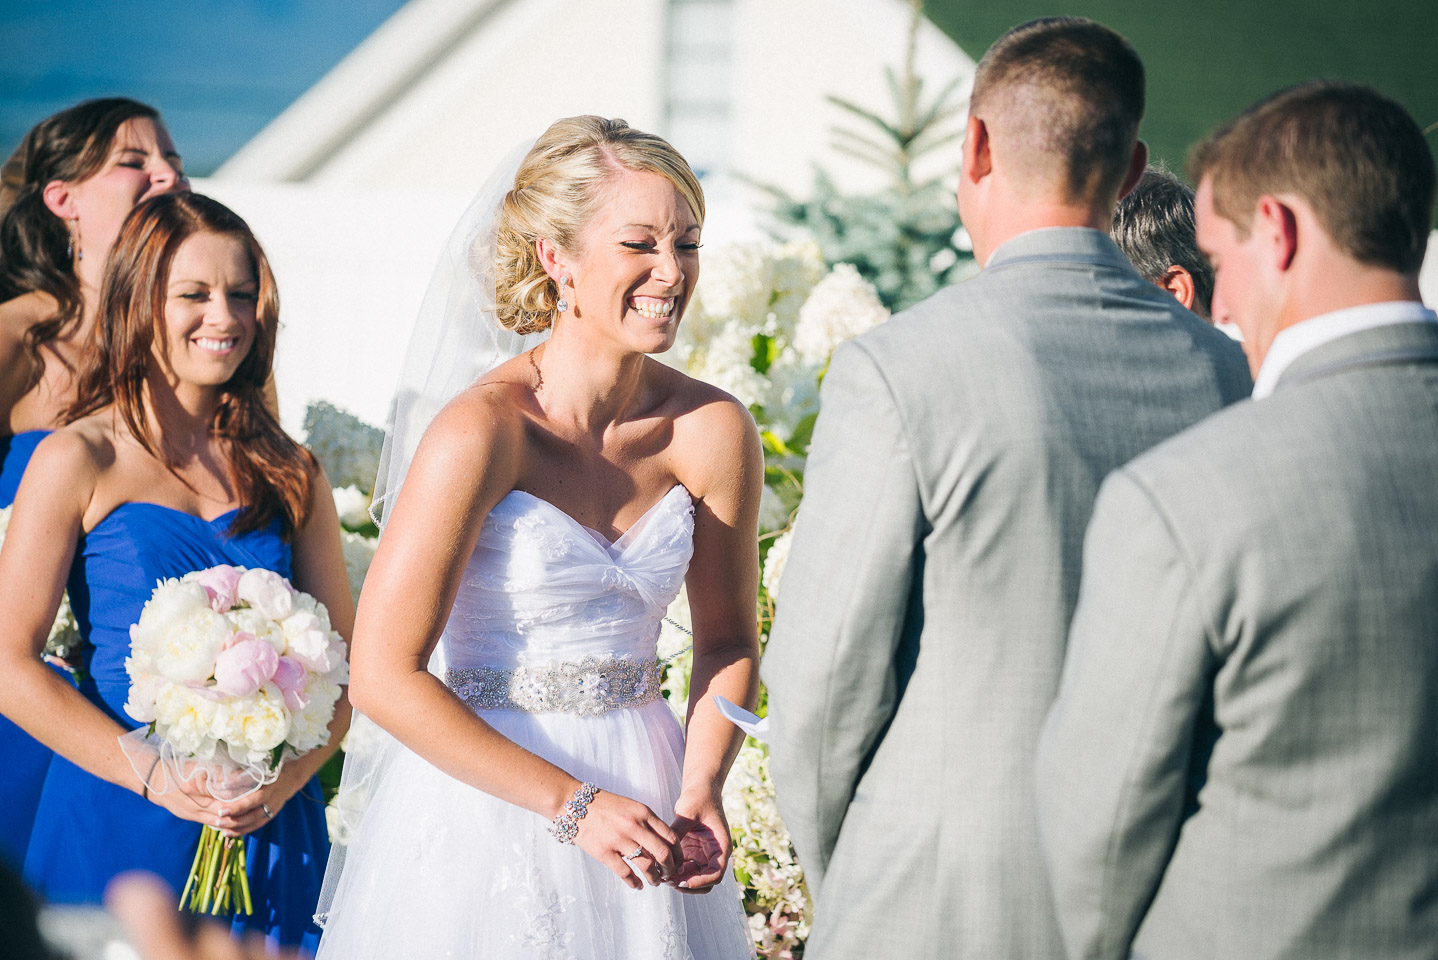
x: 273, y: 474
x: 72, y: 145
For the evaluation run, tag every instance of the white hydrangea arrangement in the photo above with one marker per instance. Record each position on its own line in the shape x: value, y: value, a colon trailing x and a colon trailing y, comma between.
x: 764, y: 322
x: 64, y: 639
x: 235, y: 672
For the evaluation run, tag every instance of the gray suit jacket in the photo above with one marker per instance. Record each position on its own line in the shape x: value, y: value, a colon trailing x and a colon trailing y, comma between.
x: 1243, y: 758
x: 925, y: 604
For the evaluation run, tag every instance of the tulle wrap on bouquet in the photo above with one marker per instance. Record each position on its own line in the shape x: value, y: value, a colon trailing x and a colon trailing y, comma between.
x: 235, y: 672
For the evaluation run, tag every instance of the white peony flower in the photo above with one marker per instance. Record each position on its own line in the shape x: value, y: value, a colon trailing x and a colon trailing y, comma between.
x: 145, y: 687
x: 268, y: 592
x: 187, y: 651
x: 775, y: 561
x: 318, y: 649
x: 309, y: 728
x: 253, y: 726
x: 186, y: 719
x: 352, y: 505
x: 172, y: 603
x: 842, y: 305
x: 246, y: 620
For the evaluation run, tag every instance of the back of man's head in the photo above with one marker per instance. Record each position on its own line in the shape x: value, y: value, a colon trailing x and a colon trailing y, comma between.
x: 1355, y: 156
x: 1065, y: 96
x: 1154, y: 227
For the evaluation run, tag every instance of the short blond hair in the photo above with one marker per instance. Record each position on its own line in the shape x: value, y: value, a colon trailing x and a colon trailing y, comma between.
x: 559, y: 186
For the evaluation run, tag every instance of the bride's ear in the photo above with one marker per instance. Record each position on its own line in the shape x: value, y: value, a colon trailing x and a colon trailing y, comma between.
x: 554, y: 260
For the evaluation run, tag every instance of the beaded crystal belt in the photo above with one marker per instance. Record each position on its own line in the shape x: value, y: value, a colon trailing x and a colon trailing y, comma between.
x: 588, y: 687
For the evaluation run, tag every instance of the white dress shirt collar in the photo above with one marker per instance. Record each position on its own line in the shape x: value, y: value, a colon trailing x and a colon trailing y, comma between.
x: 1295, y: 341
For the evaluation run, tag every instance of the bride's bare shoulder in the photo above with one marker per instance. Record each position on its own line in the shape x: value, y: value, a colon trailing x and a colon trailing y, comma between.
x: 716, y: 442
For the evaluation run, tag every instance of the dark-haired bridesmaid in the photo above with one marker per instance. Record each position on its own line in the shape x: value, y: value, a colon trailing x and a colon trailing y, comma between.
x: 63, y: 194
x: 170, y: 461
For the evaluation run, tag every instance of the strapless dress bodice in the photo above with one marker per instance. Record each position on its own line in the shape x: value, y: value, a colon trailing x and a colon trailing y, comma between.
x: 541, y: 587
x: 118, y: 563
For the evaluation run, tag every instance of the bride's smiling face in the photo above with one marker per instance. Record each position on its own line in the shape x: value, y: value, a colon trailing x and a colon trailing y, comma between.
x: 638, y: 262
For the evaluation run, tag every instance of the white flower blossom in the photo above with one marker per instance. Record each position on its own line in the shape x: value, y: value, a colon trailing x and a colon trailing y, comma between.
x: 352, y: 505
x: 775, y: 561
x: 239, y: 726
x: 842, y: 305
x: 725, y: 361
x: 267, y: 592
x: 773, y: 515
x: 359, y: 553
x: 64, y: 637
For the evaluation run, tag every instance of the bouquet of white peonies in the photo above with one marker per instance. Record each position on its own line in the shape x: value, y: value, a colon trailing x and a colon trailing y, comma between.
x: 64, y: 638
x: 235, y: 671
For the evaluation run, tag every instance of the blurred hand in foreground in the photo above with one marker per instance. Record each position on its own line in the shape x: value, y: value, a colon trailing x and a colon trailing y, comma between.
x: 145, y: 906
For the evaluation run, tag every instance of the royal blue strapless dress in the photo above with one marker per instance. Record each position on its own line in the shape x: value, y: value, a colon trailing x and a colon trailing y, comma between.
x: 88, y: 830
x: 23, y: 758
x: 15, y: 453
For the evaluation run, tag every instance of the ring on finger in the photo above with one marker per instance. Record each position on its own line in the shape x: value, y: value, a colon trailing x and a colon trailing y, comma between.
x: 637, y: 852
x: 269, y: 814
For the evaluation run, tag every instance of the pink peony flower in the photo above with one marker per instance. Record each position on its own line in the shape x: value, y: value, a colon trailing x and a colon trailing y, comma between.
x: 221, y: 583
x: 267, y: 592
x: 290, y: 678
x: 244, y: 666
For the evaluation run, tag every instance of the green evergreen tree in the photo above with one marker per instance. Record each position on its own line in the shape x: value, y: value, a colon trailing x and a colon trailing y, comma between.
x: 901, y: 239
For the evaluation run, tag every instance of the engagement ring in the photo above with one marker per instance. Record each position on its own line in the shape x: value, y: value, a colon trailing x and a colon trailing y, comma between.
x: 638, y: 852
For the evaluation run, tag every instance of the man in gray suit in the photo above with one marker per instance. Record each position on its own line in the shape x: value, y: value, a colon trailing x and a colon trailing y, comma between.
x: 936, y: 556
x: 1243, y: 757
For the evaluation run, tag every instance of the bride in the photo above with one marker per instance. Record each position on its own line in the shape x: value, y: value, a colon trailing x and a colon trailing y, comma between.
x: 542, y: 799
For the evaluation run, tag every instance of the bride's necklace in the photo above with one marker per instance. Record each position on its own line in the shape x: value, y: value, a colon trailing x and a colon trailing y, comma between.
x: 538, y: 376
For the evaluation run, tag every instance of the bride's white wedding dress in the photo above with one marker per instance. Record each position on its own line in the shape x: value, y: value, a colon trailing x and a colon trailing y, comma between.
x: 551, y: 641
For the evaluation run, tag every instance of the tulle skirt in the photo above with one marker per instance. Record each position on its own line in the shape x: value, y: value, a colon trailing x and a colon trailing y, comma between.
x: 437, y: 868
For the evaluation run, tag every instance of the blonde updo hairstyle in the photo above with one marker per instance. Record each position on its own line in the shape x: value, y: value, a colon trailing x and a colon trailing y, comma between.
x: 559, y: 186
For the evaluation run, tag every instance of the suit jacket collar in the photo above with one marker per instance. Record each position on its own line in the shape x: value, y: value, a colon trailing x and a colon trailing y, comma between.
x: 1391, y: 344
x: 1059, y: 244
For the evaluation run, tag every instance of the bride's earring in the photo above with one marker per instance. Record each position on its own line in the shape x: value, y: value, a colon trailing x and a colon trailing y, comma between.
x: 72, y: 248
x: 563, y: 304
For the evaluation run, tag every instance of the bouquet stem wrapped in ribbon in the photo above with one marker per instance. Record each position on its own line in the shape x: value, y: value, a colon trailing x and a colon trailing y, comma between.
x: 236, y: 672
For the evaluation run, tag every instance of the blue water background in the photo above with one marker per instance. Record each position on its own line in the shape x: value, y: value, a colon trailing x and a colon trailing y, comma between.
x: 218, y: 70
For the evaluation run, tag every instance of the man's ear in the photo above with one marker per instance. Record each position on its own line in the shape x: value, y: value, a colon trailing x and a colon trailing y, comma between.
x: 1280, y: 227
x: 1179, y: 282
x: 978, y: 162
x: 1137, y: 164
x: 59, y: 199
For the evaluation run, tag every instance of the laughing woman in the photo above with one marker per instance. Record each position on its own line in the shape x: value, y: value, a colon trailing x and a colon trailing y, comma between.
x: 65, y: 191
x: 170, y: 462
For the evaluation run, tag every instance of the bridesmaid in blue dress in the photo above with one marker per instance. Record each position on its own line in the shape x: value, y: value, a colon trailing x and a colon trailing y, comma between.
x: 65, y: 191
x: 170, y: 462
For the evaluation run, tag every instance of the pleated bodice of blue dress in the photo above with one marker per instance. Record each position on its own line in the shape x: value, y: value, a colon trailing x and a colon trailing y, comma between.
x: 87, y: 829
x: 23, y: 758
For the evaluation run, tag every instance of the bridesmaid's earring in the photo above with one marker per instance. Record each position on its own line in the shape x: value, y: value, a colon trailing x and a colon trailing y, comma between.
x: 563, y: 304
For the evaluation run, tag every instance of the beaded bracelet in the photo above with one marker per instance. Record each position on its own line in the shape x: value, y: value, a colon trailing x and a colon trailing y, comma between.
x: 566, y: 825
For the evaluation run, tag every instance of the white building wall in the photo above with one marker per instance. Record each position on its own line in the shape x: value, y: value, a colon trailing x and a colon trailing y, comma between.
x: 353, y: 190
